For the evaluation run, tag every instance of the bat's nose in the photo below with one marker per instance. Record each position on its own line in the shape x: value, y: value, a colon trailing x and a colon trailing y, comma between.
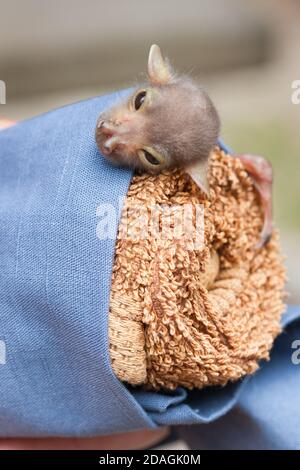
x: 110, y: 145
x: 104, y: 125
x: 107, y: 126
x: 109, y: 134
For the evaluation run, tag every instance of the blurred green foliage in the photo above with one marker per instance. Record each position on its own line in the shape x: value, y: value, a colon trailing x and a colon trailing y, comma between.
x: 279, y: 142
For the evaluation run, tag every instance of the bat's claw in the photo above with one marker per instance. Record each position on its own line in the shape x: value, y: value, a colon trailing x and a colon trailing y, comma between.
x: 264, y: 238
x: 261, y: 172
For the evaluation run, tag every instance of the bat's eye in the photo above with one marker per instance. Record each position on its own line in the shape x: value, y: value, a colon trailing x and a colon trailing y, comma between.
x: 139, y: 99
x: 151, y: 159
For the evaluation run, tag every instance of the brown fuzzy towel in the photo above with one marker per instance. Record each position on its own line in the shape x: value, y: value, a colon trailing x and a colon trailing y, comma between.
x: 194, y: 314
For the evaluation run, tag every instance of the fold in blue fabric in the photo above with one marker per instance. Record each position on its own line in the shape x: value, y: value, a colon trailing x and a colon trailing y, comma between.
x: 55, y: 274
x: 267, y: 412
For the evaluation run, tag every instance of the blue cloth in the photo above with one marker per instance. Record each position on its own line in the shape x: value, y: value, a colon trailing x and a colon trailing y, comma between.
x: 55, y: 373
x: 267, y: 413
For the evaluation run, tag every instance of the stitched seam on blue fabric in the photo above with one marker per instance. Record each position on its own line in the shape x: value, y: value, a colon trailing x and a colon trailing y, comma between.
x: 51, y: 223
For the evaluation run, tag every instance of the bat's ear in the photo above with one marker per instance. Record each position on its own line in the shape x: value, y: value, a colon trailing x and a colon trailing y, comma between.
x: 159, y: 70
x: 198, y: 171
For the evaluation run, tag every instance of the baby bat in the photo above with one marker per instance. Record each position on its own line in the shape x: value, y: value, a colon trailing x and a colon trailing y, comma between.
x: 170, y: 122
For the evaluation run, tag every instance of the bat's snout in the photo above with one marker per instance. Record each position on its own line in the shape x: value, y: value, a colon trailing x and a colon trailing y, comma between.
x: 106, y: 136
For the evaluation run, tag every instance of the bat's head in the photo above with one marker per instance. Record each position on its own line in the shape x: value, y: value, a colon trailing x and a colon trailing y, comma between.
x: 168, y: 122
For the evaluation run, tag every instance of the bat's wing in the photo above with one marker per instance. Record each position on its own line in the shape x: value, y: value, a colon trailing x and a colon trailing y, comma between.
x: 262, y: 174
x: 198, y: 172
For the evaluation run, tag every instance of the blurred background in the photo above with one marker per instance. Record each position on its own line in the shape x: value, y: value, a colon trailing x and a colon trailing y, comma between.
x: 247, y: 54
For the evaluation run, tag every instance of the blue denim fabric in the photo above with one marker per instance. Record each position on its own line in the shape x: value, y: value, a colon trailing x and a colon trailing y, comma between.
x: 55, y: 276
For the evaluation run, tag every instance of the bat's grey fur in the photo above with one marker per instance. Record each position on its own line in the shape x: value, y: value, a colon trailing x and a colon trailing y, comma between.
x: 181, y: 123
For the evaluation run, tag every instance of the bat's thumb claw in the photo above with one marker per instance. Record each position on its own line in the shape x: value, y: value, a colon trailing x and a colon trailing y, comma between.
x: 265, y: 237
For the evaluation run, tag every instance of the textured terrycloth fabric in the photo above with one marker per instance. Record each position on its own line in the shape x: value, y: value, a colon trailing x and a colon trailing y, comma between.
x: 187, y: 309
x: 267, y: 413
x: 55, y: 276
